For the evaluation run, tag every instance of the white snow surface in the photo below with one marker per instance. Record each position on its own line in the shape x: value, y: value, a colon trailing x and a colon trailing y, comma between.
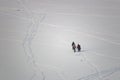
x: 36, y: 38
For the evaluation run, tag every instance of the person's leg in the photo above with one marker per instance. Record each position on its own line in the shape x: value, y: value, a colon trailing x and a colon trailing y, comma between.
x: 78, y: 49
x: 74, y: 50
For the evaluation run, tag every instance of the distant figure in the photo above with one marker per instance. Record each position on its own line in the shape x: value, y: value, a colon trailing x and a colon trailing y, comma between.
x: 74, y: 46
x: 79, y: 47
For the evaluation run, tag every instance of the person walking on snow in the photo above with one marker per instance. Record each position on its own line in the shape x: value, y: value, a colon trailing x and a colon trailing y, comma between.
x: 78, y: 47
x: 74, y: 46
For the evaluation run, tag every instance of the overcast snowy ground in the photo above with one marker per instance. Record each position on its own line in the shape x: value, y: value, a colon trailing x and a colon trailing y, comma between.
x: 36, y: 38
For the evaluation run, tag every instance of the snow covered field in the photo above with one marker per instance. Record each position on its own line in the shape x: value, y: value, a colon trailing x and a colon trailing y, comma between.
x: 36, y: 38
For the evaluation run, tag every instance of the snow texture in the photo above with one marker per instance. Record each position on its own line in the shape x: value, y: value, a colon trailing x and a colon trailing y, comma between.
x: 36, y: 38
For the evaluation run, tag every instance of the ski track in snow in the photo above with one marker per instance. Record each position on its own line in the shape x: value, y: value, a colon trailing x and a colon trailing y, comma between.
x: 32, y: 31
x: 30, y: 34
x: 99, y: 74
x: 104, y: 74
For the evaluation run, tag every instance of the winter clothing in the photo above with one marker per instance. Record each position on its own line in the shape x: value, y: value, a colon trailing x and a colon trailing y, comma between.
x: 78, y: 47
x: 74, y: 47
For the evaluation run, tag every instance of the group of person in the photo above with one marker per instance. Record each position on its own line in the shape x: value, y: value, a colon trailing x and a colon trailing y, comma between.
x: 74, y: 47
